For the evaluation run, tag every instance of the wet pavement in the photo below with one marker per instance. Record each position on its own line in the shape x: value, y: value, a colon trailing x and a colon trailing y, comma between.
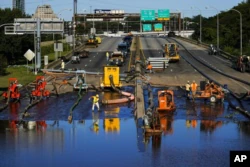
x: 196, y: 134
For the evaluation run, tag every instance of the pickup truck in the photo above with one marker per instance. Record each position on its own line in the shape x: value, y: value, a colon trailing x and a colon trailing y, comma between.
x: 116, y: 58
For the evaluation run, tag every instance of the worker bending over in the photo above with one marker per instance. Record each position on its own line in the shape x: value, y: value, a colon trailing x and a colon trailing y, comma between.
x: 95, y: 102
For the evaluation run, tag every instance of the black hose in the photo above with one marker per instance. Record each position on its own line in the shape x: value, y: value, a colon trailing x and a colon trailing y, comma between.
x: 70, y: 117
x: 237, y: 108
x: 151, y: 100
x: 113, y: 85
x: 130, y: 78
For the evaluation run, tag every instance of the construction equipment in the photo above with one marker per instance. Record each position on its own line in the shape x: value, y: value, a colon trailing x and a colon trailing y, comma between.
x: 75, y: 58
x: 210, y: 91
x: 13, y: 92
x: 166, y: 101
x: 116, y: 58
x: 82, y: 54
x: 110, y: 71
x: 124, y: 48
x: 128, y: 39
x: 242, y: 64
x: 171, y: 52
x: 92, y: 42
x: 39, y: 90
x: 99, y: 40
x: 81, y: 81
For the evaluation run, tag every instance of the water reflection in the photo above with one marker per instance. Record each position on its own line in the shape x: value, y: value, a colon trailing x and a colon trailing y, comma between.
x: 14, y: 109
x: 211, y: 110
x: 95, y: 121
x: 111, y: 120
x: 166, y: 121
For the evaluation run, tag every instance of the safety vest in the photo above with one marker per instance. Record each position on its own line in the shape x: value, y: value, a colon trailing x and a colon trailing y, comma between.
x: 62, y: 65
x: 95, y: 99
x: 193, y: 86
x: 107, y: 54
x: 188, y: 87
x: 149, y: 67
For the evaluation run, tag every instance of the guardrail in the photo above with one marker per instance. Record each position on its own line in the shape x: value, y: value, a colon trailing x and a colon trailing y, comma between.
x: 158, y: 62
x: 204, y: 45
x: 58, y: 62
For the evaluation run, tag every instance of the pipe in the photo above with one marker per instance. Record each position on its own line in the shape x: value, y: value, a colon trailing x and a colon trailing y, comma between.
x: 238, y: 108
x: 129, y: 96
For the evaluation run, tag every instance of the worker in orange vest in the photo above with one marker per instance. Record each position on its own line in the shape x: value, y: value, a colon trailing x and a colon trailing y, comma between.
x: 149, y: 68
x: 194, y: 88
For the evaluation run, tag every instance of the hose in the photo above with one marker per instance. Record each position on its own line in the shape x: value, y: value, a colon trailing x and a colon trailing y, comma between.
x: 129, y: 96
x: 70, y: 117
x: 237, y: 108
x: 151, y: 106
x: 25, y: 113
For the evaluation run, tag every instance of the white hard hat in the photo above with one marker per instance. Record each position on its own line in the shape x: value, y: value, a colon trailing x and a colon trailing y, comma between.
x: 97, y: 95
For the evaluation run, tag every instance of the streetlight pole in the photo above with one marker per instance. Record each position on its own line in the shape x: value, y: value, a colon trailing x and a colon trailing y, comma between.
x: 240, y: 29
x: 200, y: 23
x: 218, y: 36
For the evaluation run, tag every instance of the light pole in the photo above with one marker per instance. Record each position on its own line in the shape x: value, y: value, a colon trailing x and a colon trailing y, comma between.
x: 240, y: 29
x: 200, y: 23
x: 218, y: 36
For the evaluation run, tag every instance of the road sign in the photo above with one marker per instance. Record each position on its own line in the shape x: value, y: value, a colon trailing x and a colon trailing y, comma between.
x: 58, y: 47
x: 29, y: 55
x: 163, y: 14
x: 158, y: 27
x: 147, y: 27
x: 147, y: 15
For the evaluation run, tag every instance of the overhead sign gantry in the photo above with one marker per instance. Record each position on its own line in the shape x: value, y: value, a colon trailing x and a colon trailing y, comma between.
x: 36, y: 26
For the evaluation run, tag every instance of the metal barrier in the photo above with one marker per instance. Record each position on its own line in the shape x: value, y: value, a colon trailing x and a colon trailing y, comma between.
x: 158, y: 62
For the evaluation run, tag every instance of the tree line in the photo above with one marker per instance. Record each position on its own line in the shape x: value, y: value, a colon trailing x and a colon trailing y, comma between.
x: 229, y: 29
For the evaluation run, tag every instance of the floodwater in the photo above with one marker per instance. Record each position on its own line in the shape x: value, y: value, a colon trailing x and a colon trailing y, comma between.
x: 195, y: 135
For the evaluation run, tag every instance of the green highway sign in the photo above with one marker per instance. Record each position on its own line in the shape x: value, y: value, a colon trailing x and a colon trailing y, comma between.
x: 158, y: 27
x: 147, y: 27
x: 163, y: 14
x: 147, y: 15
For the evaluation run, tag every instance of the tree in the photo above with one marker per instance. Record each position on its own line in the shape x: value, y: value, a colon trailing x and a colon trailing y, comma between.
x: 12, y: 47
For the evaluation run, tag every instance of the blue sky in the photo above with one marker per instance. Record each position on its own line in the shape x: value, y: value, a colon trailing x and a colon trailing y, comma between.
x: 131, y: 6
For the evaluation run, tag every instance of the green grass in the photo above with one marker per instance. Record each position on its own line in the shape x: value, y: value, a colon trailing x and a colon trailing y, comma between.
x: 51, y: 56
x: 20, y: 73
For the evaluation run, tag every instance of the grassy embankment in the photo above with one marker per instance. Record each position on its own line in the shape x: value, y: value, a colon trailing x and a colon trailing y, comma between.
x: 23, y: 75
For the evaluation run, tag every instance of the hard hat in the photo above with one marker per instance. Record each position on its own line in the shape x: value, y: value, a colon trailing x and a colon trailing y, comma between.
x: 187, y: 81
x: 97, y: 95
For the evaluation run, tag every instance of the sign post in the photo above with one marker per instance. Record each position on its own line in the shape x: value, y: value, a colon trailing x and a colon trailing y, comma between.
x: 29, y: 55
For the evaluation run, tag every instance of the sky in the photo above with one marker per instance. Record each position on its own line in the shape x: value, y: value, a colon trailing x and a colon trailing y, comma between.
x: 188, y: 8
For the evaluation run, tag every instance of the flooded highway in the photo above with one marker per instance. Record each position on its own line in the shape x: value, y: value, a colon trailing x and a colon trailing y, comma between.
x: 196, y: 134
